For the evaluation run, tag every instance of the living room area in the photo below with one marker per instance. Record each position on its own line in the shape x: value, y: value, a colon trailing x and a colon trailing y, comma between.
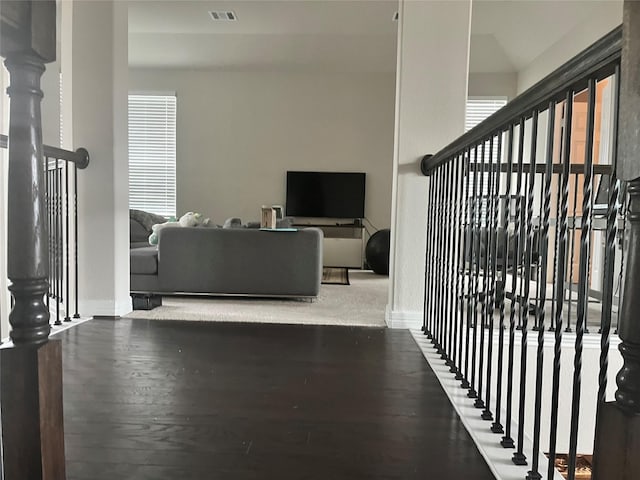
x: 251, y: 98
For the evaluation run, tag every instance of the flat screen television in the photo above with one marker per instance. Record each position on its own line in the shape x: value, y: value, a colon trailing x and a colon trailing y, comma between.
x: 325, y: 194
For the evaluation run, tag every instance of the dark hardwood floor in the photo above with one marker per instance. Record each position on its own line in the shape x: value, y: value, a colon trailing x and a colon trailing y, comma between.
x: 184, y: 400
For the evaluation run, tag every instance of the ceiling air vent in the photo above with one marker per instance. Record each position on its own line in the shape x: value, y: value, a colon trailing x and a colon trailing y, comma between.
x: 227, y: 16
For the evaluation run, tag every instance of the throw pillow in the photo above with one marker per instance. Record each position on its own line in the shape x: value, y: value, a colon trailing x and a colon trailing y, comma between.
x: 232, y: 222
x: 146, y: 219
x: 191, y: 219
x: 153, y: 238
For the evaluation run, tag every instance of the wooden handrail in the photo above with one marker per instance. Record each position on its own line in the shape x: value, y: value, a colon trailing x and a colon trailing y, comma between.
x: 80, y: 157
x: 598, y: 61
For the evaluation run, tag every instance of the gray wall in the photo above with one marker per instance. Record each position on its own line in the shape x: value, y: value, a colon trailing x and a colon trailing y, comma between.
x: 493, y: 85
x: 239, y: 132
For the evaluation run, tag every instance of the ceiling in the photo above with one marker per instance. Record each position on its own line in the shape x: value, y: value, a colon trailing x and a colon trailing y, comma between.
x: 334, y: 35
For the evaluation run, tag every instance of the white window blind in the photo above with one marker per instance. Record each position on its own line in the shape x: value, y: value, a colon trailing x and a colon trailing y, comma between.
x: 152, y: 153
x: 479, y: 109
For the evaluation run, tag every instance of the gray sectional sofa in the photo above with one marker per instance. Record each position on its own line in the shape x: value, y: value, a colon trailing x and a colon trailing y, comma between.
x: 221, y: 261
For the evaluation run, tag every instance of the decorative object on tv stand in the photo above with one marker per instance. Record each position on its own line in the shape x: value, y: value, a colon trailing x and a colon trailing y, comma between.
x: 268, y: 217
x: 279, y: 211
x: 377, y: 251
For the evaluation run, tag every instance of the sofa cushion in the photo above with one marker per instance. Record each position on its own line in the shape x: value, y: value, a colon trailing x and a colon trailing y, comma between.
x: 144, y: 261
x: 137, y: 232
x: 146, y: 219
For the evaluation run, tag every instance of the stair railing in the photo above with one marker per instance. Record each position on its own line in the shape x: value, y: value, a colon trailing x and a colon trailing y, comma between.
x: 518, y: 208
x: 60, y: 191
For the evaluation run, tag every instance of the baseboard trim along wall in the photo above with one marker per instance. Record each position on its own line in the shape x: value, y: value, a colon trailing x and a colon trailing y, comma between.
x: 403, y: 319
x: 104, y: 308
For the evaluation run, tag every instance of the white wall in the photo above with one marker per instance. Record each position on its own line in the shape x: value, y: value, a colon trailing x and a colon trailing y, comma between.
x: 605, y: 18
x: 239, y: 132
x: 430, y: 109
x: 94, y: 67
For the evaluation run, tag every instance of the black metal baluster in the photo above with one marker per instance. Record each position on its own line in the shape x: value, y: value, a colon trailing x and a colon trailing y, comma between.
x: 491, y: 264
x: 583, y: 287
x: 56, y: 240
x: 433, y: 285
x: 610, y: 249
x: 539, y: 281
x: 556, y: 239
x: 560, y: 277
x: 434, y: 282
x: 52, y: 232
x: 446, y: 319
x: 534, y: 473
x: 572, y: 246
x: 48, y: 205
x: 589, y: 269
x: 467, y: 270
x: 450, y: 264
x: 60, y: 232
x: 460, y: 249
x: 67, y: 318
x: 518, y: 457
x: 497, y: 427
x: 443, y: 268
x: 75, y: 234
x: 507, y: 441
x: 52, y: 213
x: 442, y: 314
x: 428, y: 273
x: 454, y: 263
x: 472, y: 308
x: 479, y: 403
x: 437, y: 318
x: 438, y: 311
x: 522, y: 250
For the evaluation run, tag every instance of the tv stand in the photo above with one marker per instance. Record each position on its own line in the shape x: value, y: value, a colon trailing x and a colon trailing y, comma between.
x: 343, y: 243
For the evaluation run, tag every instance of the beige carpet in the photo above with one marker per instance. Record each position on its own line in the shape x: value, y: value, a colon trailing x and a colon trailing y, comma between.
x: 362, y: 303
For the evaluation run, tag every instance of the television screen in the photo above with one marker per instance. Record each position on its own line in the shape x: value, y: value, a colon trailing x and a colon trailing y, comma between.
x: 325, y: 194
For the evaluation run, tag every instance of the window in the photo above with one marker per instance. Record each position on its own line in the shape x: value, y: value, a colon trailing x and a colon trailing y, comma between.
x: 479, y: 109
x: 152, y: 153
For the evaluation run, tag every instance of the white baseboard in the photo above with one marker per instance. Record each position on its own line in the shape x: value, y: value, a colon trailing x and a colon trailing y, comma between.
x: 403, y: 319
x: 105, y: 308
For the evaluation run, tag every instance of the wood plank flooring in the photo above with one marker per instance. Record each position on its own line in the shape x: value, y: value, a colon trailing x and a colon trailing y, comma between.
x: 185, y: 400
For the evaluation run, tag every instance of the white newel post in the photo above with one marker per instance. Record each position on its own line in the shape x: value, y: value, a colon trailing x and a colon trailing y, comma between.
x: 95, y: 89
